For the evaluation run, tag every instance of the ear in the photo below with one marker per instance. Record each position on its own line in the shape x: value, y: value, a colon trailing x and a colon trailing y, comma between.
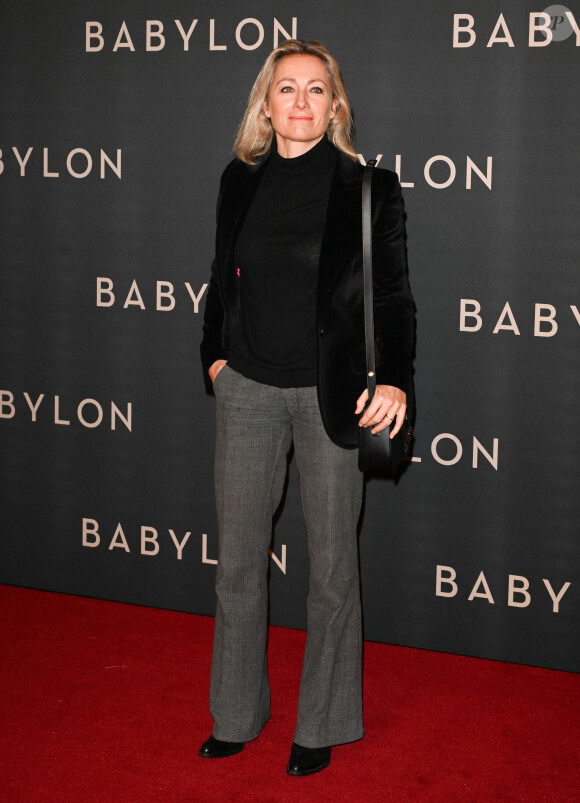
x: 266, y: 108
x: 333, y: 108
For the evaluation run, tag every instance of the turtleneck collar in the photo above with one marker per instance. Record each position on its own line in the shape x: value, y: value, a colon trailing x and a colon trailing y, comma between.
x: 313, y: 159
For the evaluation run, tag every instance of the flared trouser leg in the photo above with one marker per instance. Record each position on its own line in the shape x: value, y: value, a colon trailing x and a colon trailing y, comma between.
x: 330, y: 703
x: 253, y: 437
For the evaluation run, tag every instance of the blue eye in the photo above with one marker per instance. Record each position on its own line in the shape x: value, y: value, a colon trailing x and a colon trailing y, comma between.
x: 318, y: 89
x: 287, y: 89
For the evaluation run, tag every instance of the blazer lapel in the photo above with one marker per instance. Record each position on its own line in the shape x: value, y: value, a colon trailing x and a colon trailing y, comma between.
x: 237, y: 198
x: 343, y: 224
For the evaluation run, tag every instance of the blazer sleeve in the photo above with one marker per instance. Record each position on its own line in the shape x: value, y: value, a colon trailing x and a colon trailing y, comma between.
x: 212, y: 347
x: 394, y: 307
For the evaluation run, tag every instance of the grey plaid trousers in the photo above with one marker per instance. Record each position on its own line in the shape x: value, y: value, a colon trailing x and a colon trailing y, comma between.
x: 256, y: 424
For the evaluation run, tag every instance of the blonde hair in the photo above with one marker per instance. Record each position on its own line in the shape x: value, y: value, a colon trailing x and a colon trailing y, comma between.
x: 255, y: 133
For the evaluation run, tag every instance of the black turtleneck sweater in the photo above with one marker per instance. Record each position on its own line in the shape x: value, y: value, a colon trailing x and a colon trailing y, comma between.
x: 277, y: 253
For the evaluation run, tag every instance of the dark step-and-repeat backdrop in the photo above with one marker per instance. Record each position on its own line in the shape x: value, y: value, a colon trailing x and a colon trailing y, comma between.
x: 117, y: 119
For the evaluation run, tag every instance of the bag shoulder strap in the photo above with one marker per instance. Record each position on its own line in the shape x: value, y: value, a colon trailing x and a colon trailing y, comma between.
x: 368, y: 276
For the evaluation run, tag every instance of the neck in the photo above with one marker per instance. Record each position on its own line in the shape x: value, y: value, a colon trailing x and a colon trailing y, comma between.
x: 289, y: 149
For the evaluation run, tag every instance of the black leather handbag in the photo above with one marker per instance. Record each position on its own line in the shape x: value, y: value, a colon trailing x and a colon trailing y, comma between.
x: 377, y: 452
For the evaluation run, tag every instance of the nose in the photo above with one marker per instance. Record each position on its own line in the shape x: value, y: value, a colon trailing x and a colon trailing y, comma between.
x: 301, y: 99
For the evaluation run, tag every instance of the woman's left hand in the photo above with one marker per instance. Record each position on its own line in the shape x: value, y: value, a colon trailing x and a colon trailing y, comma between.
x: 389, y: 403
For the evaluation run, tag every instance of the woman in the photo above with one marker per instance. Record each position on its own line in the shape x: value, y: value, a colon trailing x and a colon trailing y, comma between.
x: 283, y: 346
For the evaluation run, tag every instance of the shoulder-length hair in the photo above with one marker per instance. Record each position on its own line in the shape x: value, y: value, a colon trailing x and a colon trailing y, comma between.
x: 255, y: 133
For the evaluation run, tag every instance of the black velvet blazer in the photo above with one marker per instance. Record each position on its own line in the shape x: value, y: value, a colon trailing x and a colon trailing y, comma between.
x: 340, y: 301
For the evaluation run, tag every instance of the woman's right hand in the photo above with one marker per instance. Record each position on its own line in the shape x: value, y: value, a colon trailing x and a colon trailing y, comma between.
x: 215, y: 368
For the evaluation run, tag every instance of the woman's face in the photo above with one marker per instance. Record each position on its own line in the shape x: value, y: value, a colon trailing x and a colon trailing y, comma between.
x: 299, y: 103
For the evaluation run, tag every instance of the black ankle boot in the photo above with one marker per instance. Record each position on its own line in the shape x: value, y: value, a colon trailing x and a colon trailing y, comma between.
x: 307, y: 760
x: 215, y: 748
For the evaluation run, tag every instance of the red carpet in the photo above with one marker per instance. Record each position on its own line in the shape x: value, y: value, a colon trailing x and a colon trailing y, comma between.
x: 108, y: 702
